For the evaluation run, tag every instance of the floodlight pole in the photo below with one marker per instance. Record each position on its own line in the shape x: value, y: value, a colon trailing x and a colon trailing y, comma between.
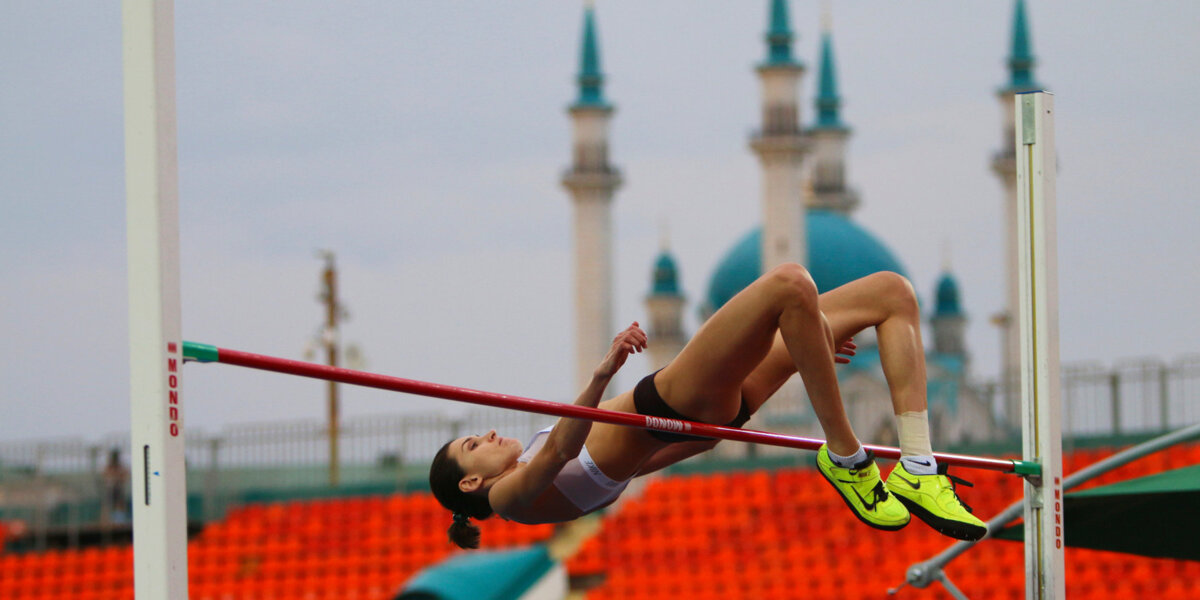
x: 156, y: 348
x: 331, y: 340
x: 1040, y: 389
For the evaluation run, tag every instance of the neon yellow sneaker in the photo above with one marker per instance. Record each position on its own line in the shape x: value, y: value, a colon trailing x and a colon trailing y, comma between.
x: 863, y: 491
x: 934, y: 500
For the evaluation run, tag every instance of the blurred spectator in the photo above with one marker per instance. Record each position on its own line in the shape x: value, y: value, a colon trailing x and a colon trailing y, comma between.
x: 115, y: 502
x: 11, y: 530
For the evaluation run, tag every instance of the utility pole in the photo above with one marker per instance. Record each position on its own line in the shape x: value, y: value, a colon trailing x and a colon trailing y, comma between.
x: 330, y: 338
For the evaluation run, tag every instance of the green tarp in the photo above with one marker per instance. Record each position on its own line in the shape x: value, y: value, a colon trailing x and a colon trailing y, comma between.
x: 502, y: 575
x: 1157, y: 515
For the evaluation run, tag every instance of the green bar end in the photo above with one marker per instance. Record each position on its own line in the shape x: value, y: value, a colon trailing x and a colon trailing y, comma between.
x: 200, y: 352
x: 1027, y: 467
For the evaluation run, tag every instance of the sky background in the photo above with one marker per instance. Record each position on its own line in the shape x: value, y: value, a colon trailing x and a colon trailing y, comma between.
x: 423, y: 143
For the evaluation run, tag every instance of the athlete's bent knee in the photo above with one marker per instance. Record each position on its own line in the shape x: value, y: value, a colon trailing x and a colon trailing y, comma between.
x: 898, y: 291
x: 796, y: 282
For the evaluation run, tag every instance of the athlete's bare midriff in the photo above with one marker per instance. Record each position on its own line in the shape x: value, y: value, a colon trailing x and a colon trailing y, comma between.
x: 618, y: 451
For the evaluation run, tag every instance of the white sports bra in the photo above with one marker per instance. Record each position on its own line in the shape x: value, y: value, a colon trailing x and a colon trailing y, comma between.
x: 581, y: 481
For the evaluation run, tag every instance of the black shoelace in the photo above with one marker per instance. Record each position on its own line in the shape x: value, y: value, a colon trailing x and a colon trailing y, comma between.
x: 954, y: 481
x: 879, y: 493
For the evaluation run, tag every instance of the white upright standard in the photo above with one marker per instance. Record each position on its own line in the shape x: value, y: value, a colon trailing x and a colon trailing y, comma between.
x: 152, y: 237
x: 1041, y: 398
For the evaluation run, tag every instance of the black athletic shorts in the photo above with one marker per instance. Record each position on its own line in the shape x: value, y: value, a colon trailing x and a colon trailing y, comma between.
x: 647, y: 402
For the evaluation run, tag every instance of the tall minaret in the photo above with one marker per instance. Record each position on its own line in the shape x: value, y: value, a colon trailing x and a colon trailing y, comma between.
x: 665, y: 305
x: 781, y: 147
x: 828, y: 137
x: 1020, y: 66
x: 591, y: 180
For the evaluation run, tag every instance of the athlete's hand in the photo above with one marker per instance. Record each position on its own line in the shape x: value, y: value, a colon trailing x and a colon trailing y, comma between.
x: 632, y: 340
x: 848, y: 350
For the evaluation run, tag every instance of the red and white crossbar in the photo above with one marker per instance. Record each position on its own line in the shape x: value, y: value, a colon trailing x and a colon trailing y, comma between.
x: 204, y: 353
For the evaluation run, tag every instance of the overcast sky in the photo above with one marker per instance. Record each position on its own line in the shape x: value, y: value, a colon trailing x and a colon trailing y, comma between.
x: 423, y: 142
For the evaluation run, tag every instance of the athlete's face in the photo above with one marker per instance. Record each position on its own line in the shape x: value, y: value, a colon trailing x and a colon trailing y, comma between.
x: 483, y: 457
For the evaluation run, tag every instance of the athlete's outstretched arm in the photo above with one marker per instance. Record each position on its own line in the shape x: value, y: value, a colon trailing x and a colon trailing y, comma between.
x: 567, y: 438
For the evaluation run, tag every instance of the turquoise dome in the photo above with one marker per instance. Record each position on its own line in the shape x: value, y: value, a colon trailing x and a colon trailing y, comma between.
x: 839, y: 251
x: 947, y: 297
x: 666, y: 276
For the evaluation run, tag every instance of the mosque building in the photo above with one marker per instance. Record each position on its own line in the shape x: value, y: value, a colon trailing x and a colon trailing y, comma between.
x: 808, y: 218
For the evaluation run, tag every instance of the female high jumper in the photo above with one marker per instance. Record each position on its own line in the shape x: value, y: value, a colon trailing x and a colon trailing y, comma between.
x: 776, y: 327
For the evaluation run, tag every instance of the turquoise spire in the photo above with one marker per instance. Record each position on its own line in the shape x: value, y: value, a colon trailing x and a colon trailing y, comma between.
x: 828, y: 100
x: 666, y: 276
x: 779, y: 37
x: 947, y: 297
x: 591, y: 80
x: 1021, y: 61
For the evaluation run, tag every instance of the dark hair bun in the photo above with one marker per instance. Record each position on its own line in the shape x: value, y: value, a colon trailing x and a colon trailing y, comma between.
x: 463, y: 533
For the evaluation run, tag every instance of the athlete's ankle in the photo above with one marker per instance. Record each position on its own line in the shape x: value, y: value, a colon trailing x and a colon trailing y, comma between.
x: 846, y: 462
x: 920, y: 464
x: 913, y: 429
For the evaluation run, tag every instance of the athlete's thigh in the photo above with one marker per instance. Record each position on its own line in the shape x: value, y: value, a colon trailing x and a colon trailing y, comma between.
x: 705, y: 380
x: 771, y: 373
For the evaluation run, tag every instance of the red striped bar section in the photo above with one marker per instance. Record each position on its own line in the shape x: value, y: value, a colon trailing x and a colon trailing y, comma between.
x: 205, y: 353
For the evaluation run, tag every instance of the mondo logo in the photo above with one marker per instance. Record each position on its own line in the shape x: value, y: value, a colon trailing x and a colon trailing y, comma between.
x: 173, y: 388
x: 1058, y: 513
x: 667, y: 424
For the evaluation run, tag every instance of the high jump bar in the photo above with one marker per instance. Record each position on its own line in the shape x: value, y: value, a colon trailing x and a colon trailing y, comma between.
x: 205, y: 353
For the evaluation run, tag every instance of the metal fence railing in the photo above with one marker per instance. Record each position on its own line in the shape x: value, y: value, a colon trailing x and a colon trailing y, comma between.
x: 1134, y: 396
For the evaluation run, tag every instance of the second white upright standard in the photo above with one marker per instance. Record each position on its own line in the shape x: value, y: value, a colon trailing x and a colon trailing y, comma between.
x: 1040, y: 391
